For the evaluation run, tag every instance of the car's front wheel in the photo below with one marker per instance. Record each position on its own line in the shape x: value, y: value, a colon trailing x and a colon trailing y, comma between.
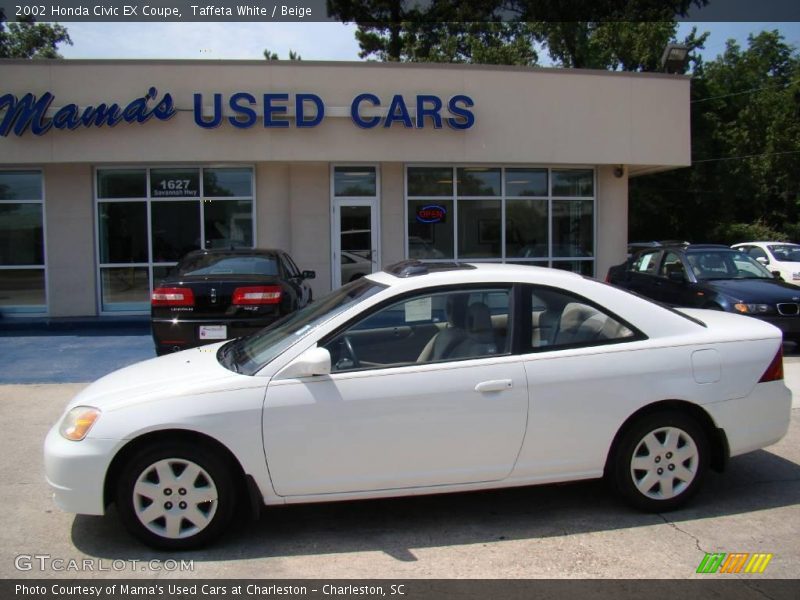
x: 661, y: 461
x: 175, y: 496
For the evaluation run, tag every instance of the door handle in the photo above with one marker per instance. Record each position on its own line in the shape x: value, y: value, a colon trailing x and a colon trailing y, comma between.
x: 496, y: 385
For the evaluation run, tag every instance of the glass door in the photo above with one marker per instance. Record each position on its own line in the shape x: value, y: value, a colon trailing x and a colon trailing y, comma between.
x: 355, y: 240
x: 355, y: 236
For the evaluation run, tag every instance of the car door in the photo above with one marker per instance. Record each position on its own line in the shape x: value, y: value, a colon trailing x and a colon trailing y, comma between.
x: 295, y: 279
x: 642, y: 274
x: 579, y: 394
x: 454, y: 413
x: 673, y: 281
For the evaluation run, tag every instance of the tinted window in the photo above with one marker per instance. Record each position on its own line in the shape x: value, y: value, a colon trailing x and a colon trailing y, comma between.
x: 786, y: 252
x: 672, y: 264
x: 723, y: 264
x: 210, y: 264
x: 646, y: 262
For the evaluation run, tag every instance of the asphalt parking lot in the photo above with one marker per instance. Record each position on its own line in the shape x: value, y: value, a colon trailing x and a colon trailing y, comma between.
x: 574, y: 530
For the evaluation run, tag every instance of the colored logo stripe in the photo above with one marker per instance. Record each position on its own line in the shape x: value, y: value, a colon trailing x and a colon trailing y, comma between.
x: 734, y: 562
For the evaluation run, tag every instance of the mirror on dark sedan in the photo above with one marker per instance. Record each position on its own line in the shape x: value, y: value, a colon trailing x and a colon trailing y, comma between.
x: 309, y: 274
x: 777, y: 275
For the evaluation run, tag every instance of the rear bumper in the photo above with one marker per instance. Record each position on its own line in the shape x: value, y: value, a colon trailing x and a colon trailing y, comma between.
x: 180, y: 334
x: 755, y: 421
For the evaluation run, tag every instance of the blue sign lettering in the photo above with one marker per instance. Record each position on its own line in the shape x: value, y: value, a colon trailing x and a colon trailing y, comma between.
x: 33, y: 113
x: 30, y: 112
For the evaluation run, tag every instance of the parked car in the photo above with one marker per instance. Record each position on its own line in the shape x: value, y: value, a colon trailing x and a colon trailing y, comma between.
x: 354, y: 265
x: 214, y: 295
x: 424, y: 379
x: 616, y: 272
x: 716, y: 277
x: 778, y: 257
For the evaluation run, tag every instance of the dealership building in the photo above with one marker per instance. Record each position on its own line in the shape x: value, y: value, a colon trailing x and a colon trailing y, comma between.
x: 110, y: 171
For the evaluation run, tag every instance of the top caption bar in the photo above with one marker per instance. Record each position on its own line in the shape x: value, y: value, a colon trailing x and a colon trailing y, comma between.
x: 401, y: 10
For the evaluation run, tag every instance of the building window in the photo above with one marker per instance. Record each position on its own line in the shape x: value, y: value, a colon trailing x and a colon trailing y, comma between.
x: 526, y: 215
x: 22, y: 262
x: 148, y: 218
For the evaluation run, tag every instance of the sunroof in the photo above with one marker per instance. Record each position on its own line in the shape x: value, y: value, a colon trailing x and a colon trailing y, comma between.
x: 412, y: 268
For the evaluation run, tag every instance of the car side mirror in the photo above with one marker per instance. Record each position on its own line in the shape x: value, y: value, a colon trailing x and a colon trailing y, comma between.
x: 763, y: 260
x: 677, y: 276
x: 314, y: 361
x: 777, y: 275
x: 309, y: 274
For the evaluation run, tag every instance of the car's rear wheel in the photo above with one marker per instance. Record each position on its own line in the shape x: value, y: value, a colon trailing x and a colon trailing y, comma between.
x: 173, y: 496
x: 661, y: 461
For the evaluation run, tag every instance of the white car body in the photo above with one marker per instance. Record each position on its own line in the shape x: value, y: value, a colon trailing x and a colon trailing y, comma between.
x: 788, y: 270
x: 491, y: 422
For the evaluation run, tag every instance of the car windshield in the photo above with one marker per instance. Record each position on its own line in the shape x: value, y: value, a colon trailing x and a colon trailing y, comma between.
x: 228, y: 264
x: 248, y: 355
x: 786, y: 252
x: 709, y: 265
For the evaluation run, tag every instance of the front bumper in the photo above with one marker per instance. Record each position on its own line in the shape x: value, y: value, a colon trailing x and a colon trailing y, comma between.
x: 77, y: 470
x: 179, y: 334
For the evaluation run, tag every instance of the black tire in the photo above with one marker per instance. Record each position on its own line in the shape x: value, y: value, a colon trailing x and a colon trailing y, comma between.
x: 213, y: 479
x: 654, y: 495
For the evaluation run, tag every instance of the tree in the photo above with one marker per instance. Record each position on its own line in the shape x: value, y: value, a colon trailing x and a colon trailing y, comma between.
x: 28, y: 39
x: 274, y: 55
x: 438, y: 31
x: 621, y: 34
x: 745, y: 176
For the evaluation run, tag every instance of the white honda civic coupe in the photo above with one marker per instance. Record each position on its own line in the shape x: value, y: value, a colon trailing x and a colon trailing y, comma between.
x: 421, y: 379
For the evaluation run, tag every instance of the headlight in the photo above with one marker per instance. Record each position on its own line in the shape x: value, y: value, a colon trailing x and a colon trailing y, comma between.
x: 751, y: 308
x: 77, y: 422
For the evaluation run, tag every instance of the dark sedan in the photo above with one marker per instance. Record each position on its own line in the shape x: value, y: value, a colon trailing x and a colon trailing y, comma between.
x: 716, y: 277
x: 214, y: 295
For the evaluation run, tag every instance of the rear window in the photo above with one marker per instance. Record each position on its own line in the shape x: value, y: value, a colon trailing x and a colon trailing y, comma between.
x: 211, y: 264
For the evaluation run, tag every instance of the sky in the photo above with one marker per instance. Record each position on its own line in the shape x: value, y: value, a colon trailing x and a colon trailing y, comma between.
x: 313, y: 41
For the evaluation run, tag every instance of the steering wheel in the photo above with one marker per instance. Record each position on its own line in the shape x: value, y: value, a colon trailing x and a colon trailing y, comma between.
x: 351, y: 353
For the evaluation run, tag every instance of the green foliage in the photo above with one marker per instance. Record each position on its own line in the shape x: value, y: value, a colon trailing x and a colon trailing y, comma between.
x: 733, y: 233
x: 28, y: 39
x: 268, y: 55
x: 745, y: 151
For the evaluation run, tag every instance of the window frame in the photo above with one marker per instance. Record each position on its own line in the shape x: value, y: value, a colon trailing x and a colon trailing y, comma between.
x: 150, y: 264
x: 511, y: 328
x: 525, y: 325
x: 550, y: 260
x: 30, y: 310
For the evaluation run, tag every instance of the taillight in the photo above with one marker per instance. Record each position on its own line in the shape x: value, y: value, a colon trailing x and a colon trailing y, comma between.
x: 774, y: 371
x: 262, y: 294
x: 172, y: 296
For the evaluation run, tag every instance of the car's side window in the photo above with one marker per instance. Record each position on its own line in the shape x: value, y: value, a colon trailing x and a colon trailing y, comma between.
x: 757, y: 252
x: 290, y: 267
x: 672, y: 265
x: 431, y: 327
x: 562, y: 320
x: 646, y: 262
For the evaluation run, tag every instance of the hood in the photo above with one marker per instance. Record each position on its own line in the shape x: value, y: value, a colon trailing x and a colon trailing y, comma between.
x: 184, y: 373
x: 758, y: 291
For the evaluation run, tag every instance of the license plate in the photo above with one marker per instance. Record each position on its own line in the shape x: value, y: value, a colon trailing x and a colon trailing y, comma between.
x: 213, y: 332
